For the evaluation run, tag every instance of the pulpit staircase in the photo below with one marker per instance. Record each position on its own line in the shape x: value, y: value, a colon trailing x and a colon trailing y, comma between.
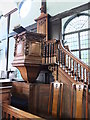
x: 69, y: 69
x: 65, y: 68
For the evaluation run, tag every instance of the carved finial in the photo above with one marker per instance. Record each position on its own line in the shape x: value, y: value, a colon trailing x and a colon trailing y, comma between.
x: 42, y: 9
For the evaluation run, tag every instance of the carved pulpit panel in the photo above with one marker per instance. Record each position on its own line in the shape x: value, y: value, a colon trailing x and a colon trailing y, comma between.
x: 27, y: 54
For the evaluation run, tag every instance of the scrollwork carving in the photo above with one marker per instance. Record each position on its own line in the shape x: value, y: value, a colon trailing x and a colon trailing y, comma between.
x: 26, y: 48
x: 26, y: 38
x: 43, y: 21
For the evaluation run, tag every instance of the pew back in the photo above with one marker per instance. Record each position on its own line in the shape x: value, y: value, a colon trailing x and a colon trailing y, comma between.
x: 10, y: 112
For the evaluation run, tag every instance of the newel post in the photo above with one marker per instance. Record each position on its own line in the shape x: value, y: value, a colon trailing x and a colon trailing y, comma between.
x: 42, y: 21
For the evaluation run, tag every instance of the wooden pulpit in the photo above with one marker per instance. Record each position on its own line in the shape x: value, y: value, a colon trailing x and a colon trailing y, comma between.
x: 27, y: 54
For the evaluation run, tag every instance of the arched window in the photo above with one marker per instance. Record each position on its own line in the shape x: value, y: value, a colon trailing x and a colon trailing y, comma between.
x: 76, y: 35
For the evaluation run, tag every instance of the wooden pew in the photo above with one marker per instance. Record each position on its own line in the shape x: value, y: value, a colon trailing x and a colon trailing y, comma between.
x: 5, y: 94
x: 20, y: 95
x: 56, y: 92
x: 9, y: 112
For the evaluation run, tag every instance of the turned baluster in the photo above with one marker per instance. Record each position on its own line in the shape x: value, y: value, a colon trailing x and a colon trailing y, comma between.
x: 11, y: 117
x: 83, y: 75
x: 67, y: 63
x: 77, y: 72
x: 15, y: 118
x: 58, y: 54
x: 50, y: 52
x: 64, y: 59
x: 80, y: 72
x: 86, y: 77
x: 45, y: 53
x: 73, y: 68
x: 70, y: 64
x: 6, y: 116
x: 54, y: 50
x: 42, y: 50
x: 60, y: 57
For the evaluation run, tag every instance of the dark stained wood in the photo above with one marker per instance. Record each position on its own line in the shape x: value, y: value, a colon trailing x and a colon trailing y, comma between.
x: 5, y: 94
x: 43, y: 4
x: 55, y: 99
x: 66, y: 103
x: 79, y: 98
x: 75, y: 60
x: 40, y: 99
x: 39, y: 94
x: 51, y: 55
x: 20, y: 89
x: 17, y: 113
x: 80, y: 101
x: 42, y: 24
x: 7, y: 47
x: 27, y: 54
x: 12, y: 11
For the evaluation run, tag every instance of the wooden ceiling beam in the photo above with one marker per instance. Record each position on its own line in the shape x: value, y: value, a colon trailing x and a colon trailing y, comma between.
x: 73, y: 11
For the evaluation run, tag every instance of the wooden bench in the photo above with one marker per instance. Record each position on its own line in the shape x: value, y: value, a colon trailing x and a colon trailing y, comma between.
x: 9, y: 112
x: 20, y: 95
x: 5, y: 94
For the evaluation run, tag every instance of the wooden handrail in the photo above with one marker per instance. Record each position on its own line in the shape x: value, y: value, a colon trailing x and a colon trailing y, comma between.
x: 54, y: 52
x: 71, y: 64
x: 17, y: 113
x: 75, y: 58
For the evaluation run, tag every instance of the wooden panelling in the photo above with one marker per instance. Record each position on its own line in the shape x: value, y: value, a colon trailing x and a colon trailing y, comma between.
x: 27, y: 54
x: 39, y: 94
x: 42, y: 24
x: 5, y: 94
x: 66, y: 103
x: 20, y: 88
x: 38, y: 99
x: 43, y: 98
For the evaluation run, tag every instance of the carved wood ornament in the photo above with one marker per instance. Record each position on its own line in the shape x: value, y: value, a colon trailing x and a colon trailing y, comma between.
x: 42, y: 23
x: 28, y: 49
x: 27, y: 54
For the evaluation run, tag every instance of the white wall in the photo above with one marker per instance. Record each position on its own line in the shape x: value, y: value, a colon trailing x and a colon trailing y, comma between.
x: 29, y: 19
x: 57, y: 6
